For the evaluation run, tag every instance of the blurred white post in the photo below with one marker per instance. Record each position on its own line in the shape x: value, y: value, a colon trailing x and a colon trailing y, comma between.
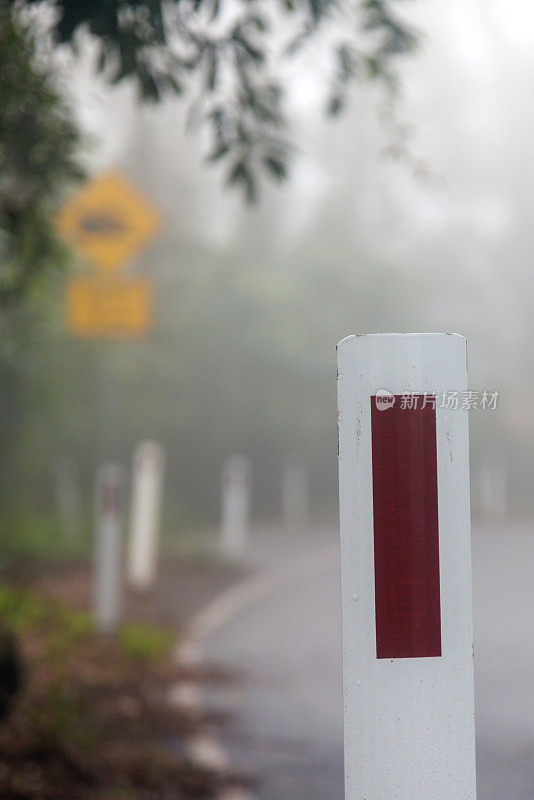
x: 147, y: 486
x: 109, y: 523
x: 236, y: 490
x: 68, y: 499
x: 294, y: 494
x: 406, y: 572
x: 493, y: 491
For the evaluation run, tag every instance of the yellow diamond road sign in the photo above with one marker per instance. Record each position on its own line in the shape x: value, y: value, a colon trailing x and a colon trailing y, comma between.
x: 109, y: 306
x: 108, y: 221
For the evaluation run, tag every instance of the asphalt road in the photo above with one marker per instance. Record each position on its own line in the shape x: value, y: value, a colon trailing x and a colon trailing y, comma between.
x: 286, y: 711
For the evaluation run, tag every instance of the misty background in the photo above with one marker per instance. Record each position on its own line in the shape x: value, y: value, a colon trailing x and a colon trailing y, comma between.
x: 251, y: 300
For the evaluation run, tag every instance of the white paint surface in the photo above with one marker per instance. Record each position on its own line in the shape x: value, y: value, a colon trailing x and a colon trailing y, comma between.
x: 207, y: 752
x: 147, y: 484
x: 236, y: 793
x: 109, y: 523
x: 409, y: 722
x: 236, y: 489
x: 186, y: 696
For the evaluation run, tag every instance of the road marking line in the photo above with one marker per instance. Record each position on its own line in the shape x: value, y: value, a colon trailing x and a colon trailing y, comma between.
x: 250, y: 591
x: 203, y: 749
x: 185, y: 696
x: 236, y: 793
x: 207, y: 752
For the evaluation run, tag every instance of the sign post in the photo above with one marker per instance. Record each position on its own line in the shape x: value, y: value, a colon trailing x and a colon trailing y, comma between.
x: 109, y: 519
x: 236, y: 488
x: 406, y: 568
x: 147, y: 484
x: 108, y: 221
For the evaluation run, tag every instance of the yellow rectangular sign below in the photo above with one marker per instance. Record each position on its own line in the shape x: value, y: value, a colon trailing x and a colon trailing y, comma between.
x: 109, y: 307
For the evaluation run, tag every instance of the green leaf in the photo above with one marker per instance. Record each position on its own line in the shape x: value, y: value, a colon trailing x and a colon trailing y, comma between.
x: 335, y: 105
x: 258, y: 22
x: 374, y: 67
x: 174, y: 83
x: 347, y: 63
x: 211, y: 71
x: 276, y: 167
x: 102, y: 60
x: 219, y: 152
x: 238, y: 172
x: 241, y: 174
x: 253, y: 52
x: 148, y: 84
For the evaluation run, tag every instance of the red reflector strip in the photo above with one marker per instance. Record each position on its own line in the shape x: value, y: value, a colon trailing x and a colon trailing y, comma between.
x: 406, y: 534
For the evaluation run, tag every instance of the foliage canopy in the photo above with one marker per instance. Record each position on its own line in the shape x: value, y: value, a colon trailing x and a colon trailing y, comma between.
x: 225, y: 57
x: 229, y: 59
x: 38, y: 142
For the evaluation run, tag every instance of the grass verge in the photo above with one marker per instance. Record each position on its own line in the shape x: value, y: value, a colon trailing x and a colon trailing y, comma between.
x: 92, y: 721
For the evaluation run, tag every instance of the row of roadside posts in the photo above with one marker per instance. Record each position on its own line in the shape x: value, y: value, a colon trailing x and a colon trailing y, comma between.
x: 236, y: 497
x: 405, y: 563
x: 147, y: 487
x: 108, y: 221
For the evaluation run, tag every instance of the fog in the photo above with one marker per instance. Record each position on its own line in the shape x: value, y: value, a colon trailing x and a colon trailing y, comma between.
x: 252, y: 300
x: 404, y: 216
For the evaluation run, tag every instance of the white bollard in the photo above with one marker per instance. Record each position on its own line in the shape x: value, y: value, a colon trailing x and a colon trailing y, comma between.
x: 406, y: 571
x: 294, y: 495
x: 68, y: 499
x: 109, y: 523
x: 147, y: 484
x: 236, y: 490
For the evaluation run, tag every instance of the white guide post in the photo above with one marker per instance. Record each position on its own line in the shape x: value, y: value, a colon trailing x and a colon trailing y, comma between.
x: 406, y: 568
x: 68, y: 499
x: 236, y: 490
x: 147, y: 485
x: 294, y: 494
x: 109, y: 523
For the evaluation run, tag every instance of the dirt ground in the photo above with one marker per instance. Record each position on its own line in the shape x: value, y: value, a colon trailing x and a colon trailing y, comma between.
x: 181, y: 589
x: 92, y: 720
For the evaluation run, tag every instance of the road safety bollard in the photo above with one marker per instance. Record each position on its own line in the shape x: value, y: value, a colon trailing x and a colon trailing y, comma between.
x: 236, y: 490
x: 108, y: 546
x: 294, y: 494
x: 147, y: 483
x: 406, y: 568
